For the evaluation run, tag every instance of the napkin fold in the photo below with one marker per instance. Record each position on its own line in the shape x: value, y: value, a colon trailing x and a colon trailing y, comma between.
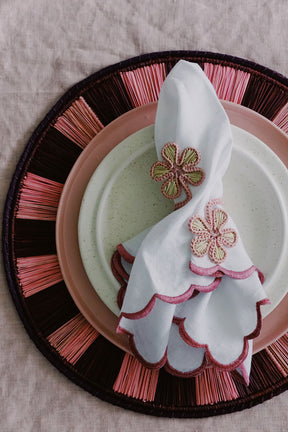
x: 190, y: 294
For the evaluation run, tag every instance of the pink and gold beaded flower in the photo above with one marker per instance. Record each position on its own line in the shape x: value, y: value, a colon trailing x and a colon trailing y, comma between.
x: 211, y: 237
x: 177, y: 172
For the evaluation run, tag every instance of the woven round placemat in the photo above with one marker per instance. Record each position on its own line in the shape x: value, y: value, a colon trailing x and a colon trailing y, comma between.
x: 42, y: 300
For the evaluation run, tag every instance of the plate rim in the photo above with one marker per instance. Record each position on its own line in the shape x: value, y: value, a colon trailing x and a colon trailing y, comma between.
x: 94, y: 202
x: 123, y: 344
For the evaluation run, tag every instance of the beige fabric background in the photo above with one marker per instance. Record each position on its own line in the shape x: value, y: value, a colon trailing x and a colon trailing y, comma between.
x: 46, y: 46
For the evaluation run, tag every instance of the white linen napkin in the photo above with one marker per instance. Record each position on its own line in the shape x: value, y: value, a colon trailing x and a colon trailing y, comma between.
x: 193, y: 297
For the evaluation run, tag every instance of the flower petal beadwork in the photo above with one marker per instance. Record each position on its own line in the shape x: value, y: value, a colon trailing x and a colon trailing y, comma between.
x: 211, y: 237
x: 178, y: 172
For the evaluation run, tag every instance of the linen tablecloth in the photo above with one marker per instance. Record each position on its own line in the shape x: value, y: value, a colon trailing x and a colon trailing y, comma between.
x: 46, y: 47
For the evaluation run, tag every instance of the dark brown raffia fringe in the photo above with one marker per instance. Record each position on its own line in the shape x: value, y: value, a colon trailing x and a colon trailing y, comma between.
x: 51, y: 155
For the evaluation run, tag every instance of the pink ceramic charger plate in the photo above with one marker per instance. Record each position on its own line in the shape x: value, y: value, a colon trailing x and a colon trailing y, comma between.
x: 78, y: 284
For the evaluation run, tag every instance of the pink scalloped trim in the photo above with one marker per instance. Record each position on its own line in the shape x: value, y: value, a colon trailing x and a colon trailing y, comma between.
x: 124, y: 254
x: 189, y: 374
x: 234, y: 365
x: 122, y: 277
x: 136, y: 353
x: 116, y: 274
x: 172, y: 300
x: 218, y: 270
x: 163, y: 362
x: 208, y: 360
x: 116, y: 265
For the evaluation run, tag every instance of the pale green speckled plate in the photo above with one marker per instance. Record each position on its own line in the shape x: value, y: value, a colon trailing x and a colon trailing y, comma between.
x: 121, y: 200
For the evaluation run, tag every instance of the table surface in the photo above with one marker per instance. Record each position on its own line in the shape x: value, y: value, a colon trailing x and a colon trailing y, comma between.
x: 46, y: 47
